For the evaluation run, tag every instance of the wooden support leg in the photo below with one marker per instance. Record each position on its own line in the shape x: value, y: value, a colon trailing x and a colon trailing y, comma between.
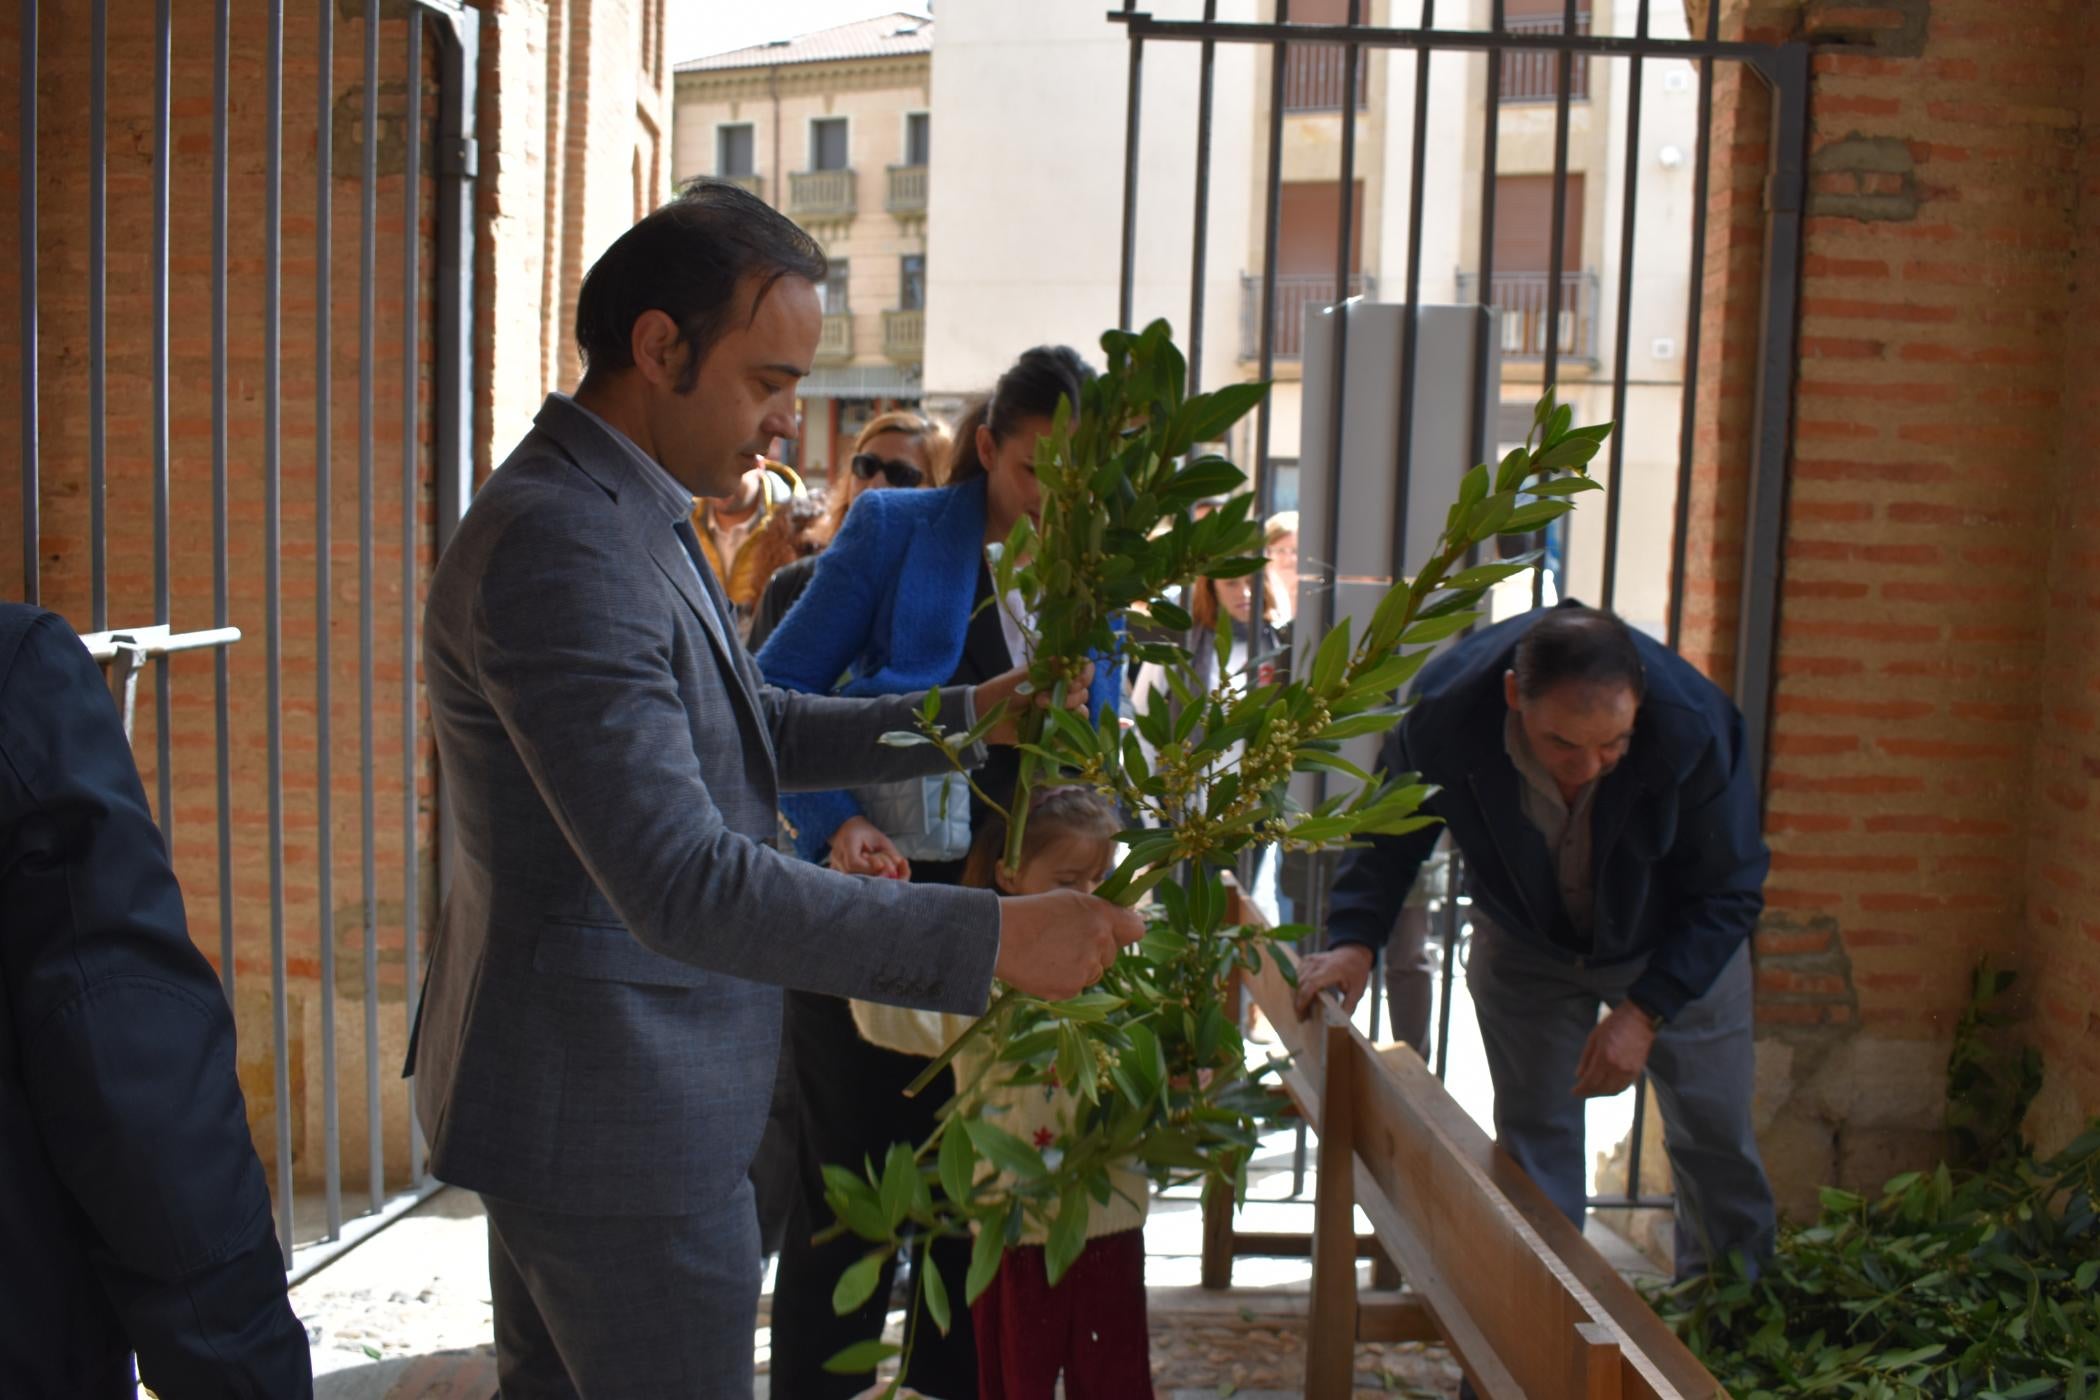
x: 1217, y: 1236
x: 1385, y: 1274
x: 1330, y: 1341
x: 1602, y: 1361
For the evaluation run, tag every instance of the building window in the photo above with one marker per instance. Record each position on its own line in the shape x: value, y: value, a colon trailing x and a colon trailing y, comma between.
x: 1533, y: 75
x: 832, y: 292
x: 827, y: 143
x: 918, y: 138
x: 911, y: 282
x: 734, y: 150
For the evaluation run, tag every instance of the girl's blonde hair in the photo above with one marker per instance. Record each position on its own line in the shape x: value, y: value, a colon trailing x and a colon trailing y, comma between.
x: 1054, y: 814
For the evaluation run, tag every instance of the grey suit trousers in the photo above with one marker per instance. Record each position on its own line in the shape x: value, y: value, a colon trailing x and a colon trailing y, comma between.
x: 624, y: 1307
x: 1536, y: 1010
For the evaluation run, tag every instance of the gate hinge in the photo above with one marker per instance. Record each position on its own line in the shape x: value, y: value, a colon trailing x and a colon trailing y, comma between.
x: 459, y: 155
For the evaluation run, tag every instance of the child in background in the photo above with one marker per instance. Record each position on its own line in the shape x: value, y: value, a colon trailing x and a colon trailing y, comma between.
x: 1091, y: 1327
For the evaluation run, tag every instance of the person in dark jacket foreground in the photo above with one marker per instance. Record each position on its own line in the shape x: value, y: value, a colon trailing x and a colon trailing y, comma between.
x: 133, y: 1211
x: 1596, y: 785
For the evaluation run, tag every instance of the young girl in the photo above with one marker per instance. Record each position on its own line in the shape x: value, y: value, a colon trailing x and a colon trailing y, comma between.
x: 1091, y: 1327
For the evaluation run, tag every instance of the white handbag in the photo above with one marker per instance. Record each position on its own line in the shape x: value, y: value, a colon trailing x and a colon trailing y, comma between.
x: 925, y: 818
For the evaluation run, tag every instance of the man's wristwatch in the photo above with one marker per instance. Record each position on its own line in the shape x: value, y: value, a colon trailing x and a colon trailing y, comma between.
x: 1654, y: 1021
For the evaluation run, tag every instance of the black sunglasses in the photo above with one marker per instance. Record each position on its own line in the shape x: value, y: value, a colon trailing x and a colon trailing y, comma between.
x: 867, y: 464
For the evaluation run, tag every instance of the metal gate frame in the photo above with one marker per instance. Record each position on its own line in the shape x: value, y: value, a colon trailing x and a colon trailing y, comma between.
x: 456, y: 28
x: 1785, y: 70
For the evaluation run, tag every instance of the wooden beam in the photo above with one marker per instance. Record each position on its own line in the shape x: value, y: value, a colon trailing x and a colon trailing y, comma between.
x: 1383, y: 1316
x: 1330, y: 1342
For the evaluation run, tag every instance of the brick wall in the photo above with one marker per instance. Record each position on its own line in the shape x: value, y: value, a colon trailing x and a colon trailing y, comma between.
x: 515, y: 318
x: 1935, y: 697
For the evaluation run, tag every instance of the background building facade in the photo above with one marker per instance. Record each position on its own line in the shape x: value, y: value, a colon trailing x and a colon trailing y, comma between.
x: 835, y: 129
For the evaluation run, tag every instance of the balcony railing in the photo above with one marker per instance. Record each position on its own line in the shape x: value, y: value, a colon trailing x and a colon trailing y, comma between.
x: 821, y: 194
x: 1533, y: 75
x: 835, y: 341
x: 1522, y: 299
x: 907, y: 192
x: 756, y: 184
x: 1294, y: 292
x: 904, y: 336
x: 1313, y: 78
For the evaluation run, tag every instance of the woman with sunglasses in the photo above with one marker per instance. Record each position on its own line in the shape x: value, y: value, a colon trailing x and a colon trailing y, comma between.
x: 899, y: 448
x: 902, y: 599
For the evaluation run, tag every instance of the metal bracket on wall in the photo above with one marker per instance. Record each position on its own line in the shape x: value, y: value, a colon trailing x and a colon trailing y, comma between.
x: 125, y: 653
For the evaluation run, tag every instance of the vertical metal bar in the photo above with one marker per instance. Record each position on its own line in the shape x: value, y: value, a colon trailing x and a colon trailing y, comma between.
x: 1199, y: 256
x: 273, y: 598
x: 1640, y: 1124
x: 411, y: 301
x: 1556, y: 265
x: 98, y: 286
x: 1765, y: 510
x: 456, y: 165
x: 367, y: 356
x: 1454, y: 877
x: 1127, y: 287
x: 1690, y: 407
x: 1630, y: 209
x: 163, y: 709
x: 324, y: 542
x: 1264, y: 477
x: 221, y: 610
x: 25, y: 203
x: 1410, y: 329
x: 1490, y: 154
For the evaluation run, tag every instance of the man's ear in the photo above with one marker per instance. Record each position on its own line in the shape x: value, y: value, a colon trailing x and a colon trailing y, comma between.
x: 658, y: 350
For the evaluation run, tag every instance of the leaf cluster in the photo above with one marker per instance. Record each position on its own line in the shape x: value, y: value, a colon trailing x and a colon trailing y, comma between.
x: 1152, y: 1058
x: 1949, y: 1283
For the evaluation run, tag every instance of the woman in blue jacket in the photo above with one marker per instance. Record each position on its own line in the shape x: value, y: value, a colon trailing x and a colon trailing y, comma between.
x: 902, y: 600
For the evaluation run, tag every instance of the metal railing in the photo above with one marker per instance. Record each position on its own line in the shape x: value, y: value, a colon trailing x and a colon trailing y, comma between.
x: 904, y: 335
x: 1294, y: 292
x: 1527, y: 305
x: 821, y: 194
x: 1532, y: 75
x: 1313, y: 78
x: 907, y: 190
x: 835, y: 340
x: 273, y: 690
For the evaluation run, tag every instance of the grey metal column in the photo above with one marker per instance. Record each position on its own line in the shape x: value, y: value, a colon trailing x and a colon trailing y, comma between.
x: 1199, y: 254
x: 458, y: 165
x: 1272, y: 219
x: 367, y: 354
x: 1556, y: 266
x: 1615, y: 498
x: 222, y: 721
x: 324, y: 540
x: 411, y: 543
x: 98, y: 288
x: 25, y: 202
x: 273, y: 599
x: 1695, y: 305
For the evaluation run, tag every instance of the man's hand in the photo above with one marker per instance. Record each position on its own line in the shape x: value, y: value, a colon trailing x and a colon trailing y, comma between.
x: 1056, y: 945
x: 1003, y: 688
x: 1346, y: 969
x: 1615, y: 1053
x: 858, y: 847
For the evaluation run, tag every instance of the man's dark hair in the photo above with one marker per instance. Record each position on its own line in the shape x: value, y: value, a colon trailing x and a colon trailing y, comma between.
x: 1030, y: 389
x: 688, y: 260
x: 1581, y: 646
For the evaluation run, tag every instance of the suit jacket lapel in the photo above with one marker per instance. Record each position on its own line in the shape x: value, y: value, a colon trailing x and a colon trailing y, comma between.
x: 708, y: 604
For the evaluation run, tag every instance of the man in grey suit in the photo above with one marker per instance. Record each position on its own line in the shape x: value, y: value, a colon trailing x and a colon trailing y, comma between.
x: 602, y: 1014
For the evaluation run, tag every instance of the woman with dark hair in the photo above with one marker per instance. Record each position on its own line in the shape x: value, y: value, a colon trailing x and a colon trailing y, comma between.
x: 903, y: 594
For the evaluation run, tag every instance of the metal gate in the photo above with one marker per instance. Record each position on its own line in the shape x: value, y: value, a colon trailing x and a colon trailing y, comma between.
x: 397, y: 131
x: 1535, y: 58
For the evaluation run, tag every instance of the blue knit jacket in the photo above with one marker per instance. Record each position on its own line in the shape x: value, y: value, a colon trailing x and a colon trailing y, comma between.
x: 887, y: 614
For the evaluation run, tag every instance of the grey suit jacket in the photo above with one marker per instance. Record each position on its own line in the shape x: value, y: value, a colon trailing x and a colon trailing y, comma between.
x: 603, y: 1007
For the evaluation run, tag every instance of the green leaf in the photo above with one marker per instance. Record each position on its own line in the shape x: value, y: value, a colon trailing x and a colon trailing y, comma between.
x: 900, y: 1173
x: 1567, y: 486
x: 1219, y: 410
x: 958, y: 1163
x: 985, y: 1253
x: 1171, y: 615
x: 1531, y: 516
x: 1310, y: 760
x: 857, y: 1284
x: 936, y: 1291
x: 1488, y: 575
x: 1332, y: 657
x: 1565, y: 455
x: 862, y: 1357
x: 1435, y: 629
x: 1006, y: 1152
x: 1067, y: 1234
x: 1474, y: 489
x: 1510, y: 475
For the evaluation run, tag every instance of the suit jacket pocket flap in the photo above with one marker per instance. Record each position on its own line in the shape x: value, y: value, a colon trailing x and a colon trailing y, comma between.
x: 609, y: 953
